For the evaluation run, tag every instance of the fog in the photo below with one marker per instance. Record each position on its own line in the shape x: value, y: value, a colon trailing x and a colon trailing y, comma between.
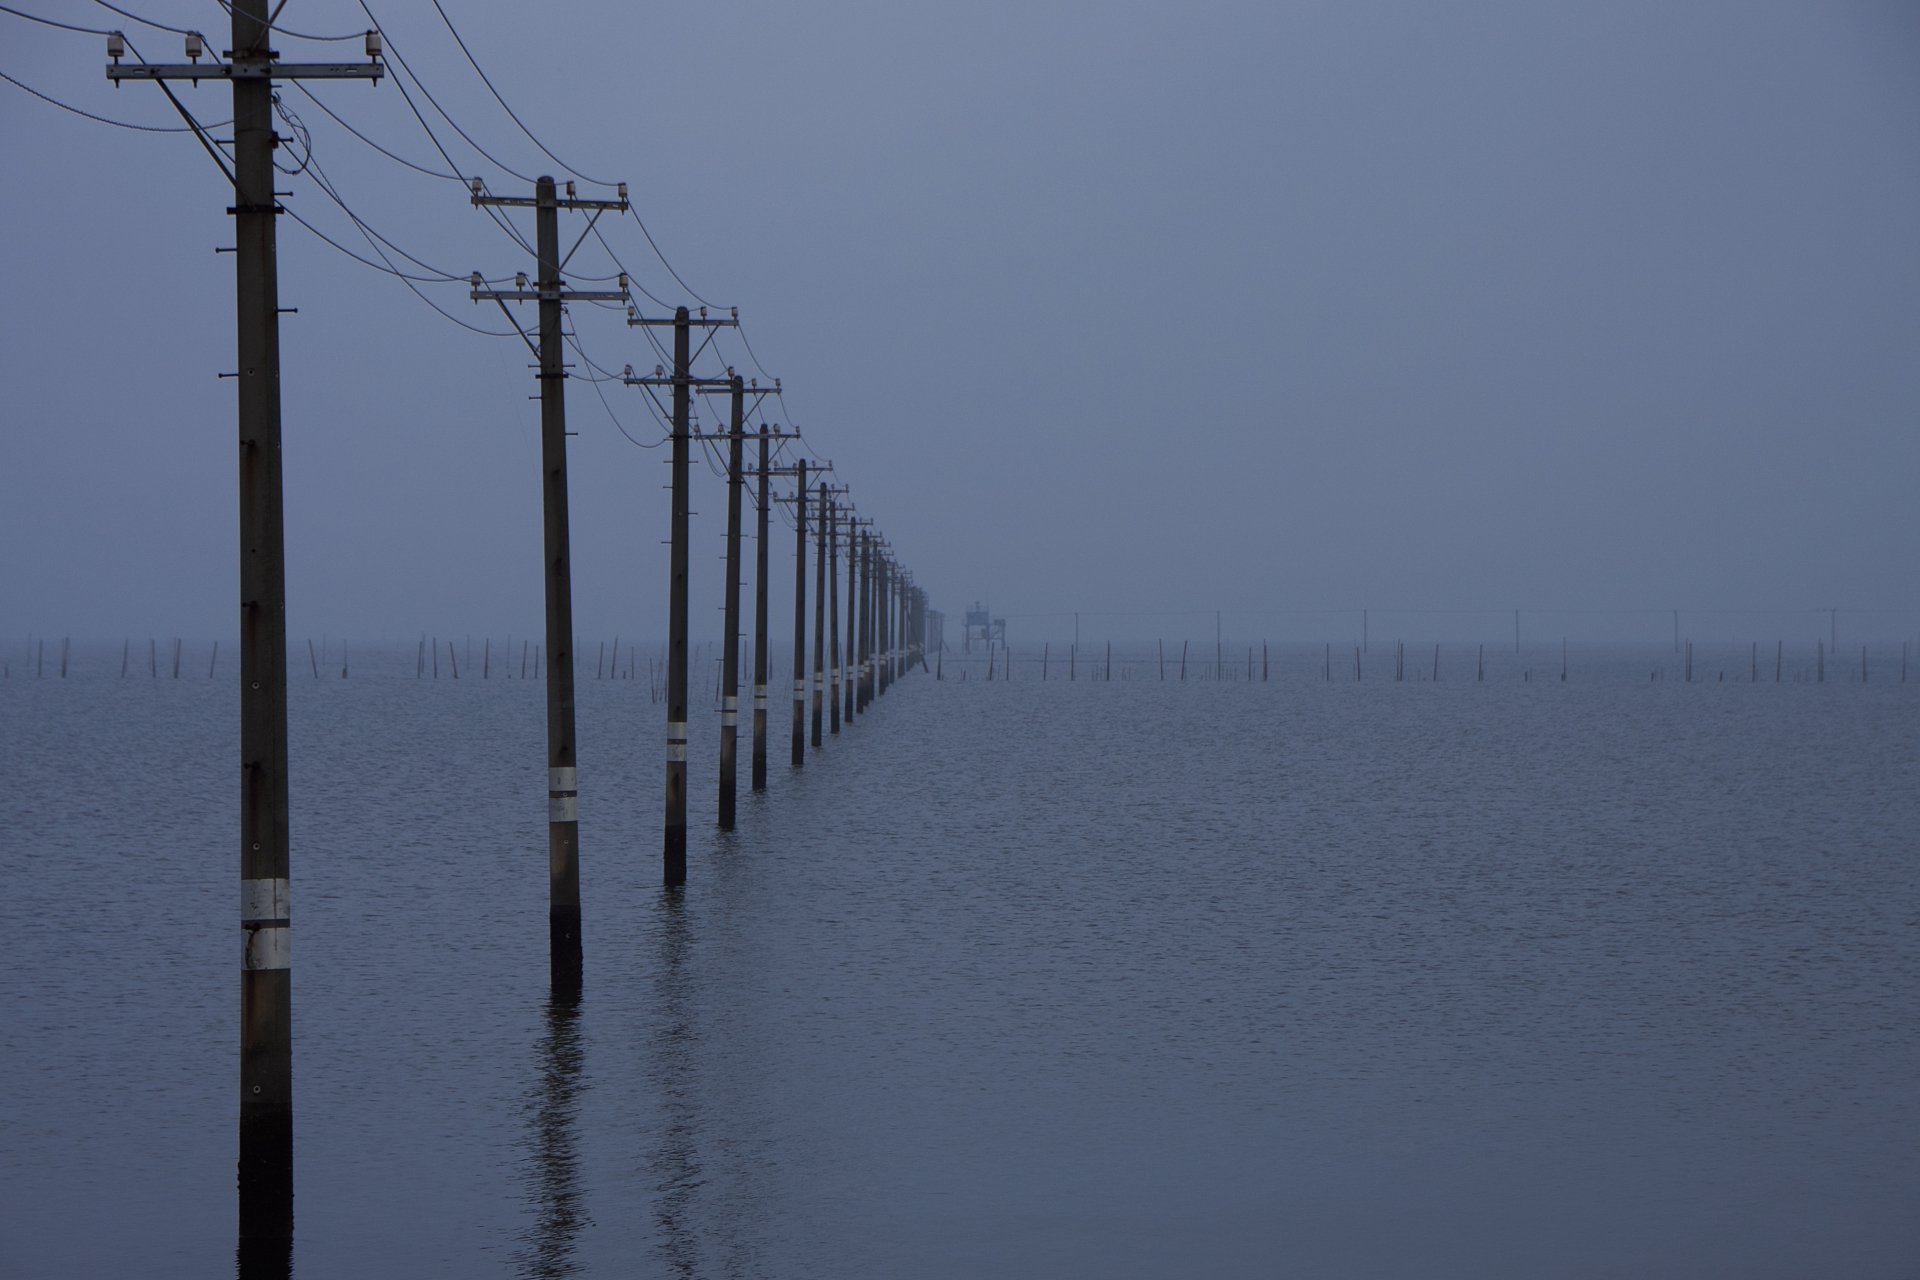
x: 1140, y: 312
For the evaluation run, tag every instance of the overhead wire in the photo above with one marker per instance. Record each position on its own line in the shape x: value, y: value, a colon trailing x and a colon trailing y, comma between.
x: 64, y: 26
x: 274, y: 25
x: 149, y: 22
x: 122, y: 124
x: 431, y: 173
x: 394, y: 51
x: 509, y: 110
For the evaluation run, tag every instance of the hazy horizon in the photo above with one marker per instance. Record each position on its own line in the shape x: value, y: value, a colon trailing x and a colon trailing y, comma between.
x: 1282, y: 311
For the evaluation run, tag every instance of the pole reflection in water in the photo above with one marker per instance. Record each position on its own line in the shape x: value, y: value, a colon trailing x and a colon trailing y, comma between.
x: 264, y: 1259
x: 675, y: 1160
x: 555, y: 1182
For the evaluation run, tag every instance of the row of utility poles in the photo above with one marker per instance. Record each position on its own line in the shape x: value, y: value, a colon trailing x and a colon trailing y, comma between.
x: 885, y: 617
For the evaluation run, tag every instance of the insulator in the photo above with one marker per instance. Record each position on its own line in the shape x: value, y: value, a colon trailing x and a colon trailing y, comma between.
x: 520, y: 280
x: 474, y: 280
x: 373, y: 44
x: 623, y: 282
x: 623, y: 191
x: 116, y: 45
x: 194, y: 47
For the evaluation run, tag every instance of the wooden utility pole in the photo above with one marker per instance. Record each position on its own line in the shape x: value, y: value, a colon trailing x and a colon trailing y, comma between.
x: 760, y: 627
x: 833, y: 617
x: 800, y: 616
x: 819, y: 613
x: 682, y: 381
x: 563, y: 825
x: 266, y: 1003
x: 730, y: 659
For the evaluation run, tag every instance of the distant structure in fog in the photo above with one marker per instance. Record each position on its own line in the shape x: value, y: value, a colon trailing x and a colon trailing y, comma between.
x: 989, y: 628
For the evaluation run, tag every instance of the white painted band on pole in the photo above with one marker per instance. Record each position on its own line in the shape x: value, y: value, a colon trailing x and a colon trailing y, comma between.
x: 563, y: 808
x: 759, y: 702
x: 564, y: 779
x: 676, y: 730
x: 729, y: 719
x: 263, y: 900
x: 729, y: 703
x: 676, y: 751
x: 799, y: 688
x: 760, y: 691
x: 267, y: 947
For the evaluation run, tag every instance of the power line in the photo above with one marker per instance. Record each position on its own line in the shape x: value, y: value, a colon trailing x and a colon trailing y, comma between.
x: 64, y: 26
x: 509, y: 110
x: 428, y: 93
x: 297, y: 35
x: 144, y: 128
x: 431, y: 173
x: 148, y: 22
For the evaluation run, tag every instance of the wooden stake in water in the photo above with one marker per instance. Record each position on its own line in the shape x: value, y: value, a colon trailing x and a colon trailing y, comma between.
x: 1045, y: 649
x: 214, y: 661
x: 1183, y: 660
x: 126, y: 648
x: 313, y: 660
x: 1480, y: 672
x: 1436, y: 662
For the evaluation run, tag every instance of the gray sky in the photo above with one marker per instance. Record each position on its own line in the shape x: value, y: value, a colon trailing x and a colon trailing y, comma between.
x: 1101, y: 307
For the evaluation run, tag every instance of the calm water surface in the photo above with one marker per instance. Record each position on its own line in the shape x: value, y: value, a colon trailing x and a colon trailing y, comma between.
x: 1425, y: 979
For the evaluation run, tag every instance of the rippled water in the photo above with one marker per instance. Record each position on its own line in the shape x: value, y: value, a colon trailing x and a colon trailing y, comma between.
x: 1517, y: 978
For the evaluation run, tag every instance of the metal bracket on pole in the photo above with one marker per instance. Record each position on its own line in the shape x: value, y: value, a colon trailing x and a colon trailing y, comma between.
x: 247, y: 69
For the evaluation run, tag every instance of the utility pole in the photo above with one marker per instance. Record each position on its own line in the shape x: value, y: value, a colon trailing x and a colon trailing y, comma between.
x: 866, y: 621
x: 265, y: 1172
x: 800, y: 616
x: 819, y: 613
x: 674, y: 842
x: 760, y: 628
x: 833, y: 616
x: 851, y: 662
x: 730, y: 660
x: 563, y: 824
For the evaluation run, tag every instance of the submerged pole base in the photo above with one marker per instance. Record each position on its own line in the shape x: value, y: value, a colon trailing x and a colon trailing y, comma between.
x: 563, y: 946
x: 674, y: 861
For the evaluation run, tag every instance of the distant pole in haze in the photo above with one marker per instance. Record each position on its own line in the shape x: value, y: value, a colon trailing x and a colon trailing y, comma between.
x: 800, y: 615
x: 820, y: 619
x: 833, y: 617
x: 1480, y: 672
x: 760, y: 625
x: 313, y: 659
x: 1183, y: 660
x: 730, y: 624
x: 1516, y: 631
